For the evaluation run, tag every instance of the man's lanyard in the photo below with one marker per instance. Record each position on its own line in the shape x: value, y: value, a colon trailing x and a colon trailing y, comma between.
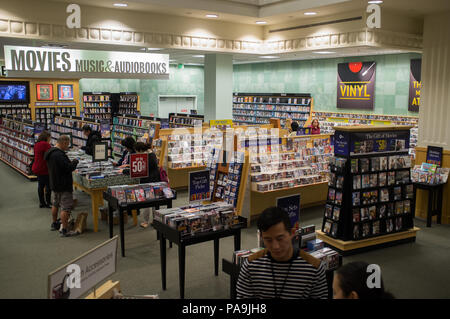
x: 284, y: 283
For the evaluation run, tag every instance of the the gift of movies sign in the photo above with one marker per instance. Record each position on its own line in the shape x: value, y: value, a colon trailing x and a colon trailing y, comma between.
x: 64, y: 63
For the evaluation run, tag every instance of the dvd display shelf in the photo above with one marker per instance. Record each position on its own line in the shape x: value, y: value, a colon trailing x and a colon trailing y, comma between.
x: 17, y: 110
x: 185, y: 120
x: 371, y: 196
x: 16, y: 144
x: 294, y: 165
x: 328, y: 120
x: 129, y: 103
x: 141, y: 128
x: 72, y: 125
x: 252, y: 108
x: 45, y: 115
x: 186, y: 151
x: 228, y: 180
x: 97, y: 105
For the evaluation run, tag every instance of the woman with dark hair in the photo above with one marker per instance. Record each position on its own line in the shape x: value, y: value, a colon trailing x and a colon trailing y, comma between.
x: 153, y: 175
x: 350, y: 282
x: 129, y: 144
x: 40, y: 169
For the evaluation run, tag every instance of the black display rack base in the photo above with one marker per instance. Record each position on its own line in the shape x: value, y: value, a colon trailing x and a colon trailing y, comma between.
x: 347, y: 248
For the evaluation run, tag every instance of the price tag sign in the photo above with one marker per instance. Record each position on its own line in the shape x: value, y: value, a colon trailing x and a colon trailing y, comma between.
x: 138, y: 165
x: 100, y: 153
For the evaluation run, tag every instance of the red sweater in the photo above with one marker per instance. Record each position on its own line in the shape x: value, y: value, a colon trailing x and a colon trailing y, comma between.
x: 315, y: 130
x: 39, y: 164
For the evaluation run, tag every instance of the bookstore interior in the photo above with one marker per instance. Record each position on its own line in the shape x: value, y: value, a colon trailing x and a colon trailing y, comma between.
x: 338, y: 135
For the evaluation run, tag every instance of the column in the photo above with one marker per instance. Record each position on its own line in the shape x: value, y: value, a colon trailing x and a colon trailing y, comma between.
x: 434, y: 112
x: 218, y: 87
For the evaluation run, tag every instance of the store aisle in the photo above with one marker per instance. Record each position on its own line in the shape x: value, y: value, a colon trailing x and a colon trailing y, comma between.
x: 29, y: 251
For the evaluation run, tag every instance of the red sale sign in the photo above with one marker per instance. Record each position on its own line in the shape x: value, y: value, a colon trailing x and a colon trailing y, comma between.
x: 138, y: 165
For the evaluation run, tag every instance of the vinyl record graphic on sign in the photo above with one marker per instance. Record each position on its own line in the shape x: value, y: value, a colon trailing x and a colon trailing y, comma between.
x: 356, y: 85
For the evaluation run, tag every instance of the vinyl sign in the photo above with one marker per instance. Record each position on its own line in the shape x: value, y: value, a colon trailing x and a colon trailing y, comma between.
x: 64, y: 63
x: 356, y: 85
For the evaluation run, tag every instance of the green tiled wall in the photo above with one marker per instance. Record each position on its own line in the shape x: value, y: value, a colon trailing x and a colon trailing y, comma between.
x: 319, y: 77
x: 186, y: 81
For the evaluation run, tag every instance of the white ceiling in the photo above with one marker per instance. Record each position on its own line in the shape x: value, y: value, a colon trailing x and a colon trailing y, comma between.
x: 272, y: 11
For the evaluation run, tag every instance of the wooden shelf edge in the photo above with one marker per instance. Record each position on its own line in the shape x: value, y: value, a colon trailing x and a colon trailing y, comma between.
x: 186, y: 168
x: 289, y: 188
x: 352, y: 245
x: 31, y: 177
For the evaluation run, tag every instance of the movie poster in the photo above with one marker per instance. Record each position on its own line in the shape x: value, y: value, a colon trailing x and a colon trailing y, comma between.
x: 356, y: 85
x: 415, y: 84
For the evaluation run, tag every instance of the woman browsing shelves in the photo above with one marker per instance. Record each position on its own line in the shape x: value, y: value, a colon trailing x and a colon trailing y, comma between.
x: 40, y: 169
x: 315, y: 128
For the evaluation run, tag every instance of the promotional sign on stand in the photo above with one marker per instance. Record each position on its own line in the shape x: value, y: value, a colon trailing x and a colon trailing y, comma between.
x: 199, y: 186
x: 291, y: 204
x: 434, y: 155
x: 139, y: 165
x: 100, y: 153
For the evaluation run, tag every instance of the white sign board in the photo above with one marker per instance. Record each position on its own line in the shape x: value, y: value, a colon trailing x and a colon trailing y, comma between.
x: 64, y: 63
x: 100, y: 152
x: 82, y: 274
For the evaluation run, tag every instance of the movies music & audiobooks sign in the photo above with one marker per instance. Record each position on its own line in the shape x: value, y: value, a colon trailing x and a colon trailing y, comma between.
x: 356, y: 85
x: 67, y: 63
x: 415, y: 84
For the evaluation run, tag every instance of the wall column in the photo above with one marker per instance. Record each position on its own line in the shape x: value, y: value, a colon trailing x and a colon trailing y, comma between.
x: 218, y: 87
x: 434, y: 111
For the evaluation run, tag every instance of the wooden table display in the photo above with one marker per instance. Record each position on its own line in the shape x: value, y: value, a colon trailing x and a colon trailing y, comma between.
x: 166, y: 232
x: 113, y: 204
x: 96, y: 200
x: 96, y: 194
x: 434, y: 200
x: 370, y: 200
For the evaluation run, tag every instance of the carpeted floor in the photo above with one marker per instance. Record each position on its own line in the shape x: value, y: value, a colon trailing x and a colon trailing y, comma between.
x: 30, y: 251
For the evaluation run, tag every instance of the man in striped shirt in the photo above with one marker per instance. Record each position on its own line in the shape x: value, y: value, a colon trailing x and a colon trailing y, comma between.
x: 282, y: 272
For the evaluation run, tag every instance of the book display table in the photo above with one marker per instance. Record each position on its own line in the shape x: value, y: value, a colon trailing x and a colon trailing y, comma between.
x: 113, y: 204
x: 434, y: 200
x: 166, y: 232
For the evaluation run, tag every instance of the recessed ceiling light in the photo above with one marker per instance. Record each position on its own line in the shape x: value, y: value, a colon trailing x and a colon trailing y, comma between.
x: 269, y: 57
x: 212, y: 16
x: 324, y: 52
x: 310, y: 13
x: 375, y: 1
x: 154, y: 49
x: 261, y: 22
x: 120, y: 5
x: 198, y: 56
